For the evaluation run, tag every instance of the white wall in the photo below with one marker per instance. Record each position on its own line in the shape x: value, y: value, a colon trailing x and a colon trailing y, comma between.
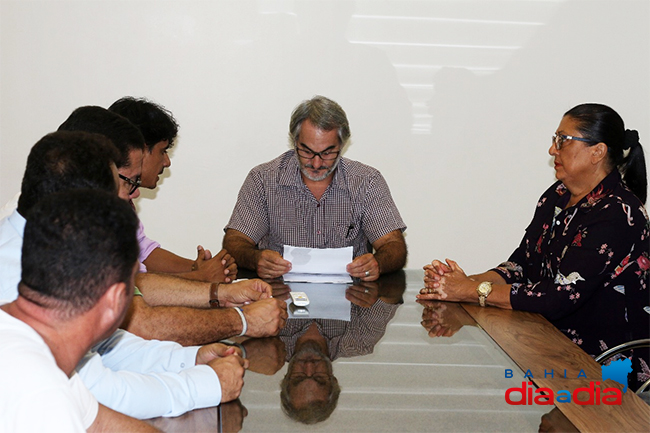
x: 454, y: 101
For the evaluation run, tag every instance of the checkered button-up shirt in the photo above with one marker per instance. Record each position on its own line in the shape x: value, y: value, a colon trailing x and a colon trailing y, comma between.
x: 275, y: 208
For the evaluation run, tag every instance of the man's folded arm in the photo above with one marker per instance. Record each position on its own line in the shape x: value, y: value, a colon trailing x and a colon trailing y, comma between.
x: 186, y: 326
x: 162, y: 260
x: 164, y: 289
x: 390, y: 251
x: 242, y: 248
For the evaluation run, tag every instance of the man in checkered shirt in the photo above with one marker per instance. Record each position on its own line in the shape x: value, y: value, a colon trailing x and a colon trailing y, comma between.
x: 312, y: 197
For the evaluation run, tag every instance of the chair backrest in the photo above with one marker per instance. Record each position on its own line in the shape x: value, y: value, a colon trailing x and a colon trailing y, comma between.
x: 635, y: 344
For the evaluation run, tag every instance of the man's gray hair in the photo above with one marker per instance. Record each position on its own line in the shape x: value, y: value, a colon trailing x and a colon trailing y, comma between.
x: 324, y: 114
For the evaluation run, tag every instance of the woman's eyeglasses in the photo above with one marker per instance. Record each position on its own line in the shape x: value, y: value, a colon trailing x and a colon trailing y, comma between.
x: 559, y: 139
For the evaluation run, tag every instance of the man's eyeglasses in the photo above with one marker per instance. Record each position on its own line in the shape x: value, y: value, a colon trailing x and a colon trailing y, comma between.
x: 321, y: 378
x: 326, y: 155
x: 559, y: 139
x: 135, y: 184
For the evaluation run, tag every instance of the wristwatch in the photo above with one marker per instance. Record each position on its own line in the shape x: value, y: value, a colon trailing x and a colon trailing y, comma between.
x: 484, y: 289
x: 214, y: 295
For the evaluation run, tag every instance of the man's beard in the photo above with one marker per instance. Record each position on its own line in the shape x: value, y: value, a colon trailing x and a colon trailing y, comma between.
x: 309, y: 348
x: 326, y: 171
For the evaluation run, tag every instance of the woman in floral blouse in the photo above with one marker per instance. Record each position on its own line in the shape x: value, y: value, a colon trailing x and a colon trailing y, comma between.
x: 583, y: 262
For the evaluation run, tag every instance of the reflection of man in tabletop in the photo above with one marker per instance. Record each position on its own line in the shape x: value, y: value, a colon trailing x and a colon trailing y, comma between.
x: 309, y: 390
x: 312, y: 197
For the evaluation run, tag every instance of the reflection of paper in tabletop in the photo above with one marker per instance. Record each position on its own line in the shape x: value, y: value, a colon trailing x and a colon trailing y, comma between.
x: 326, y: 301
x: 323, y: 265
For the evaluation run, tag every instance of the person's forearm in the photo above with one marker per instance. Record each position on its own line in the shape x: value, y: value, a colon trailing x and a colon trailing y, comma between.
x: 166, y: 262
x: 391, y: 256
x: 150, y: 394
x: 126, y: 351
x: 186, y: 326
x: 161, y: 260
x: 500, y: 296
x: 108, y: 420
x: 162, y: 289
x: 242, y: 249
x: 491, y: 276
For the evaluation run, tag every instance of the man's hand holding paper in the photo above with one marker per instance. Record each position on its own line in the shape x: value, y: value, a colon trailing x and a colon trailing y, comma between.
x: 271, y: 264
x: 364, y: 267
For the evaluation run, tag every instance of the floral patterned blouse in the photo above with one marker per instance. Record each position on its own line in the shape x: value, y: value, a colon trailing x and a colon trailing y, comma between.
x: 586, y: 268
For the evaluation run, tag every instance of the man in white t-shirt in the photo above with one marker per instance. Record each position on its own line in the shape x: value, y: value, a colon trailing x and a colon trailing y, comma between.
x: 79, y: 258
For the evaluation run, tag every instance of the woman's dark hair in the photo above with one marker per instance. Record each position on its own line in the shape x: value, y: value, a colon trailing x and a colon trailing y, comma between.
x: 601, y: 124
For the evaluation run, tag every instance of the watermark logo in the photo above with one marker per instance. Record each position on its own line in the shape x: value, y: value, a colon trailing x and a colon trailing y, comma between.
x: 617, y: 371
x: 527, y: 394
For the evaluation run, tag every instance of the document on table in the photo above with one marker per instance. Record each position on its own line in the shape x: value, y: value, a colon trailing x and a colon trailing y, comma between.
x: 318, y: 265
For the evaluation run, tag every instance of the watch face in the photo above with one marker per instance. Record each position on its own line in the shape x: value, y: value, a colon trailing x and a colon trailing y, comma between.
x: 484, y: 289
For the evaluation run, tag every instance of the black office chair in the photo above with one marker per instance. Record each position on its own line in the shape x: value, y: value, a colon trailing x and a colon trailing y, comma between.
x: 636, y: 344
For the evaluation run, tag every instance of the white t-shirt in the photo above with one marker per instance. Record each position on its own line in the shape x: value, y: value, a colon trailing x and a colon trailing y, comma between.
x: 139, y: 378
x: 36, y: 396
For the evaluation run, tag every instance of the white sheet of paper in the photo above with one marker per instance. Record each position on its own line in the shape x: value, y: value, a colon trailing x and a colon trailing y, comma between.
x: 318, y: 265
x: 317, y: 278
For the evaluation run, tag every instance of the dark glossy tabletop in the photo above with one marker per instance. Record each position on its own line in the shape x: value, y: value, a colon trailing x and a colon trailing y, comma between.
x: 401, y: 366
